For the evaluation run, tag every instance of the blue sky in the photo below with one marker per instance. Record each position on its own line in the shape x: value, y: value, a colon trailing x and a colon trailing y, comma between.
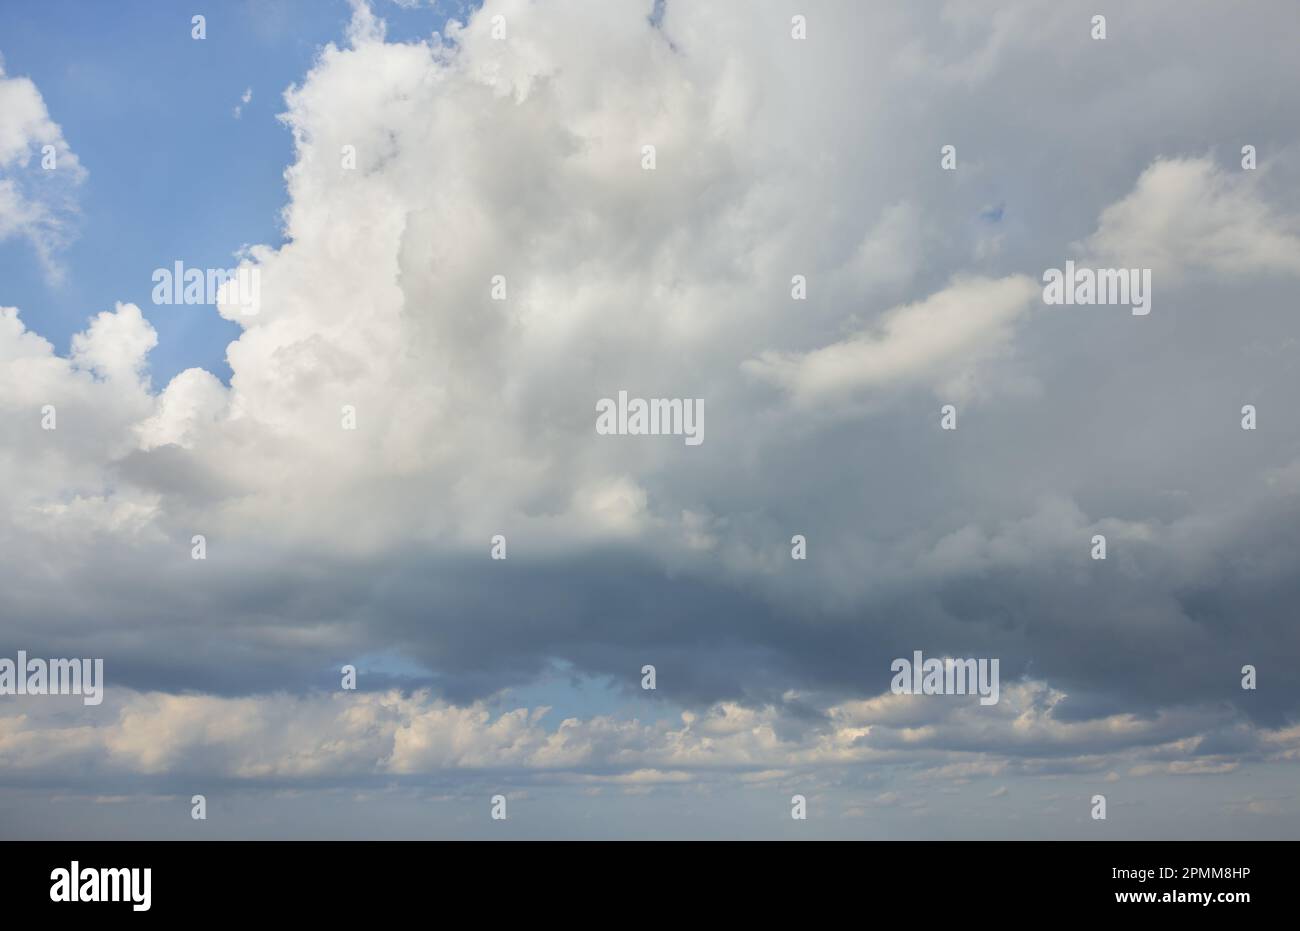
x: 173, y: 175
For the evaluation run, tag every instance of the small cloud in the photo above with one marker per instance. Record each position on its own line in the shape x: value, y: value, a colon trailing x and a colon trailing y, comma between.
x: 39, y: 175
x: 939, y: 341
x: 245, y: 98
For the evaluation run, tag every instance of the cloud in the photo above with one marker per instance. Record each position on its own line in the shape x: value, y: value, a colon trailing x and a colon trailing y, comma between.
x: 939, y: 341
x: 337, y: 738
x: 244, y: 98
x: 1187, y: 215
x: 39, y: 174
x: 478, y: 157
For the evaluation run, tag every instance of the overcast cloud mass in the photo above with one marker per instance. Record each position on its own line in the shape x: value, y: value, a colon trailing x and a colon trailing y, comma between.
x: 477, y: 156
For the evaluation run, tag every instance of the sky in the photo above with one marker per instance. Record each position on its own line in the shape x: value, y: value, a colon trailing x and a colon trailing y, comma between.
x: 462, y: 245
